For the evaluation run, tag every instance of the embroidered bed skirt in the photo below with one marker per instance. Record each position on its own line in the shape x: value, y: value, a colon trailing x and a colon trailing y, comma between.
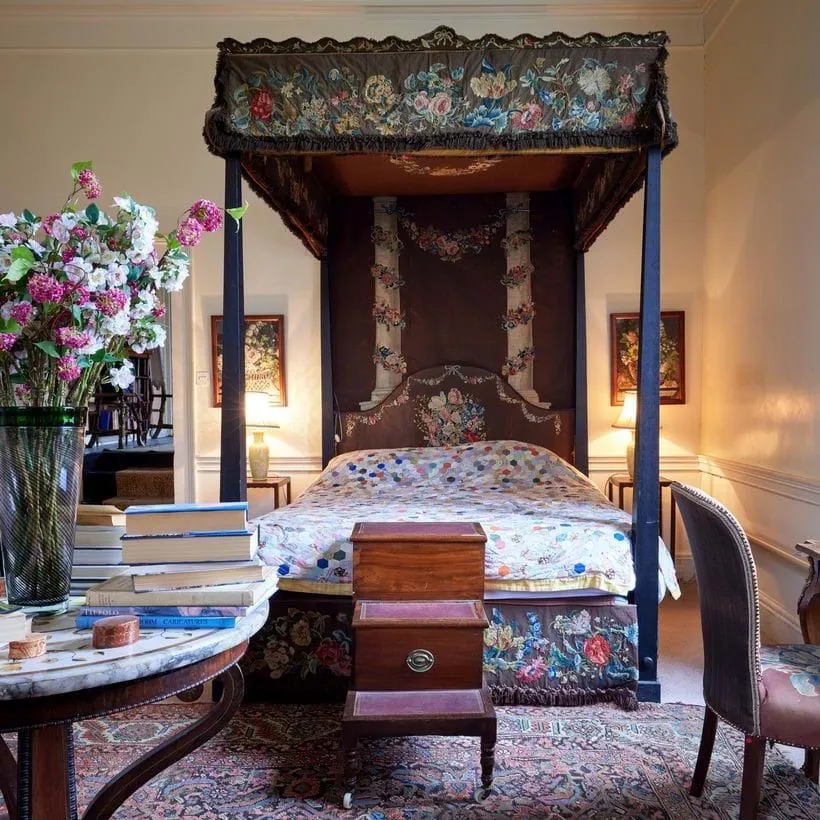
x: 569, y: 653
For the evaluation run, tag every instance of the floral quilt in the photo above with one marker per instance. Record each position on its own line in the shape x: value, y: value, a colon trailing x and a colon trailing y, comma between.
x: 548, y: 527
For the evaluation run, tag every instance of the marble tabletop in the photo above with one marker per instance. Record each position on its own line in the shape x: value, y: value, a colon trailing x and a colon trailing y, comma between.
x: 72, y: 664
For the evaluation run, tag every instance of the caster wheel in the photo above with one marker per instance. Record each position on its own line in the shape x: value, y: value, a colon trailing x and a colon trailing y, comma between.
x: 347, y: 800
x: 481, y: 794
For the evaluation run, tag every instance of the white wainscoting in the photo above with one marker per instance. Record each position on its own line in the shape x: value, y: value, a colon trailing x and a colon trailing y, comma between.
x: 778, y: 510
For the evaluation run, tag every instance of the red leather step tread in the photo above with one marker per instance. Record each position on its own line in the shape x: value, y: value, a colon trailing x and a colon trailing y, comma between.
x: 453, y: 614
x: 423, y: 703
x: 417, y: 530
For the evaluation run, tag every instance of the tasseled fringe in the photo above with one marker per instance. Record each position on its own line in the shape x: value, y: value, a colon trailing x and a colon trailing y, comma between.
x: 525, y: 696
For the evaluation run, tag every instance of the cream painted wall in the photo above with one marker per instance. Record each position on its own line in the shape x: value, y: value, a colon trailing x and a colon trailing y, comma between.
x: 124, y: 96
x: 761, y: 374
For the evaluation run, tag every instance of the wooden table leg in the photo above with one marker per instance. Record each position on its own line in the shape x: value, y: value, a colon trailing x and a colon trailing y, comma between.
x: 115, y: 793
x: 275, y: 496
x: 673, y: 521
x: 287, y: 492
x: 45, y: 773
x: 487, y: 759
x: 8, y: 778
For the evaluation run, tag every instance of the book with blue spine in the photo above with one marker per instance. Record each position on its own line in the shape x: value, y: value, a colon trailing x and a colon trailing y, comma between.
x: 168, y: 621
x: 164, y: 611
x: 179, y: 519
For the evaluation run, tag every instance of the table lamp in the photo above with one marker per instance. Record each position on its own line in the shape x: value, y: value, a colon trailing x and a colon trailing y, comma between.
x: 627, y: 421
x: 258, y: 414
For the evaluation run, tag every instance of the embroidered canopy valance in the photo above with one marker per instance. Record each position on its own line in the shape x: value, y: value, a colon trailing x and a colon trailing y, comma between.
x: 440, y: 95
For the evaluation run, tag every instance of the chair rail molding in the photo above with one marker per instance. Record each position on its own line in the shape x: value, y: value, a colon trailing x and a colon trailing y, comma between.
x: 278, y: 464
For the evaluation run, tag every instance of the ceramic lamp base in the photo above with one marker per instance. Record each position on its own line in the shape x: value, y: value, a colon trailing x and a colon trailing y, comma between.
x: 259, y: 457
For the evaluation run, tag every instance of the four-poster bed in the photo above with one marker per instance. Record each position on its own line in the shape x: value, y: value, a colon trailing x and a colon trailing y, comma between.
x: 425, y: 175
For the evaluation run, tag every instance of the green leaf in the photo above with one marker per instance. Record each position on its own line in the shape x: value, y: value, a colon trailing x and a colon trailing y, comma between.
x: 172, y: 242
x: 83, y: 362
x: 77, y: 167
x: 9, y: 326
x: 99, y: 356
x: 93, y: 213
x: 77, y: 312
x: 29, y: 216
x: 237, y: 213
x: 22, y: 252
x: 49, y: 348
x: 17, y: 270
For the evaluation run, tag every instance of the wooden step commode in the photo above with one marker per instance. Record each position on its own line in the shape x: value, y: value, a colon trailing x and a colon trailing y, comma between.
x: 419, y: 626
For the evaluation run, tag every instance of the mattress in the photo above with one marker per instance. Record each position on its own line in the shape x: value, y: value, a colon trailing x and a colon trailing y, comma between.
x: 549, y: 529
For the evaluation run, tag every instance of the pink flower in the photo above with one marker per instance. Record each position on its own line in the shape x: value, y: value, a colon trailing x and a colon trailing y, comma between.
x: 80, y: 295
x: 79, y: 232
x: 208, y: 214
x: 158, y: 312
x: 67, y: 368
x: 7, y: 341
x: 45, y: 288
x: 89, y: 183
x: 189, y: 232
x: 67, y: 254
x: 49, y: 221
x: 21, y: 312
x: 262, y: 105
x: 22, y: 393
x: 72, y: 338
x: 528, y: 117
x: 421, y: 102
x: 111, y: 302
x: 440, y: 105
x: 597, y: 649
x: 532, y: 671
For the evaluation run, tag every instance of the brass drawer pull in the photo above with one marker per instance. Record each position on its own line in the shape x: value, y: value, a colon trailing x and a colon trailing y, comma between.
x: 420, y: 660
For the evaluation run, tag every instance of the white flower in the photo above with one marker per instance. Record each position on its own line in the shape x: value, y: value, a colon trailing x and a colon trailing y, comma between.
x: 146, y: 337
x: 118, y: 325
x: 108, y: 257
x: 144, y: 305
x: 122, y: 377
x: 36, y: 247
x: 594, y: 81
x: 96, y: 279
x: 8, y: 220
x: 95, y: 343
x: 117, y: 275
x: 124, y: 203
x: 59, y: 231
x: 78, y: 269
x: 68, y: 220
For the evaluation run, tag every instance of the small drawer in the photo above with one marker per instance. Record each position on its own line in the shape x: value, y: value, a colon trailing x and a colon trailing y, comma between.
x: 389, y: 659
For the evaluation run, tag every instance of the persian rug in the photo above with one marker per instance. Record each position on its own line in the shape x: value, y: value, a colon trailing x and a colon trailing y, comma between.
x: 588, y: 762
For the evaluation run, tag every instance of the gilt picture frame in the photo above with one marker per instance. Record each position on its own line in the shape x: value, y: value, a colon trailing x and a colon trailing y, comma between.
x: 623, y: 343
x: 264, y: 357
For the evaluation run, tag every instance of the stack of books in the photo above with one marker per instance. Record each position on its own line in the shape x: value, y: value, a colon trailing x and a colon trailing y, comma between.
x: 191, y: 566
x: 97, y: 548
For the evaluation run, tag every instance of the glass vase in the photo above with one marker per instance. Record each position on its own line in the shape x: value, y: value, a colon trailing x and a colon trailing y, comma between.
x: 41, y: 451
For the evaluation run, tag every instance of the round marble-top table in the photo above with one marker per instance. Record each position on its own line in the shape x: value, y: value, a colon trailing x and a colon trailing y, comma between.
x: 40, y: 699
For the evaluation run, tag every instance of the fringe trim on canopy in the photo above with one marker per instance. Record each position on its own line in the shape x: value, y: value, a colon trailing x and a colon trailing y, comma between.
x: 624, y: 697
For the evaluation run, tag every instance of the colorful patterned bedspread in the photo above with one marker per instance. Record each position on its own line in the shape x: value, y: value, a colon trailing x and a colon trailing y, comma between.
x: 548, y: 527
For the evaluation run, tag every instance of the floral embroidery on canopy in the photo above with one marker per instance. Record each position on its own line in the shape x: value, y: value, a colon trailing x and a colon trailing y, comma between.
x: 412, y: 166
x: 452, y: 246
x: 450, y: 418
x: 387, y: 240
x: 388, y: 316
x: 517, y: 275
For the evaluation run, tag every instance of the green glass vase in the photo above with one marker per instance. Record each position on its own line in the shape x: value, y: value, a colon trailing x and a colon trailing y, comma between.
x: 41, y: 450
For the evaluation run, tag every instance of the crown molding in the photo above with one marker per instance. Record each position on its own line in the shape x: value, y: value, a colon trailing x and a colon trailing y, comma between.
x: 186, y: 26
x: 715, y: 13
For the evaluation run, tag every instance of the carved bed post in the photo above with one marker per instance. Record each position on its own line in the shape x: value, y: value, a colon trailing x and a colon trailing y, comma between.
x: 581, y: 388
x: 328, y: 427
x: 647, y: 472
x: 232, y: 466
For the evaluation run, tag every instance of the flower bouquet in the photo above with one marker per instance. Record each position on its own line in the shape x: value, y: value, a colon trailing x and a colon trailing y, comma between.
x: 80, y: 291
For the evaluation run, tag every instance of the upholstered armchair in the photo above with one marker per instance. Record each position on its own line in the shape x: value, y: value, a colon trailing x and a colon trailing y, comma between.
x: 768, y: 692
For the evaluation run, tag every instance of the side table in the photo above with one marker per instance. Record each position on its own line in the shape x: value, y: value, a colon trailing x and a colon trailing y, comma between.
x: 808, y: 607
x: 273, y: 482
x: 620, y: 481
x: 41, y: 698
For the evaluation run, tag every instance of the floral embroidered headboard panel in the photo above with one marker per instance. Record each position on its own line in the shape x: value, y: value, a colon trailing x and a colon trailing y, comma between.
x: 451, y: 405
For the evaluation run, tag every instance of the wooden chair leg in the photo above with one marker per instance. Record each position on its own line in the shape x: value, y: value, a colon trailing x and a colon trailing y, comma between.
x: 754, y: 755
x: 811, y: 766
x: 707, y: 742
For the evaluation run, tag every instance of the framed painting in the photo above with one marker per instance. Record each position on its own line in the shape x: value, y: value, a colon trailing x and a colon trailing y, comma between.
x: 264, y: 357
x: 624, y: 332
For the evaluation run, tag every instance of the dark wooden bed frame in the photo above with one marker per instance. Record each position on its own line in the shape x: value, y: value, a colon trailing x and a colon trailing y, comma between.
x: 619, y: 162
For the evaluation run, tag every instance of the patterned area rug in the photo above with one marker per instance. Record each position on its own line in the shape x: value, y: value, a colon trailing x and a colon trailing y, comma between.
x: 588, y: 762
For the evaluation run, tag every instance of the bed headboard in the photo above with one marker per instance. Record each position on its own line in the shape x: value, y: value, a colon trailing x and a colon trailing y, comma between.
x: 455, y: 404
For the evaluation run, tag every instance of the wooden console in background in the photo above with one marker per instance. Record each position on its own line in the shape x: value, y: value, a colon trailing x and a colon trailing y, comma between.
x: 419, y: 624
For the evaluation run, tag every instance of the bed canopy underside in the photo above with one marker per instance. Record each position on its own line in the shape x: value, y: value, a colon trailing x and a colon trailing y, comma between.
x: 442, y: 114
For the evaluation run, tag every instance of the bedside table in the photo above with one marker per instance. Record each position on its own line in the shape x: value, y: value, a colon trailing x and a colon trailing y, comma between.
x: 620, y: 481
x: 273, y: 482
